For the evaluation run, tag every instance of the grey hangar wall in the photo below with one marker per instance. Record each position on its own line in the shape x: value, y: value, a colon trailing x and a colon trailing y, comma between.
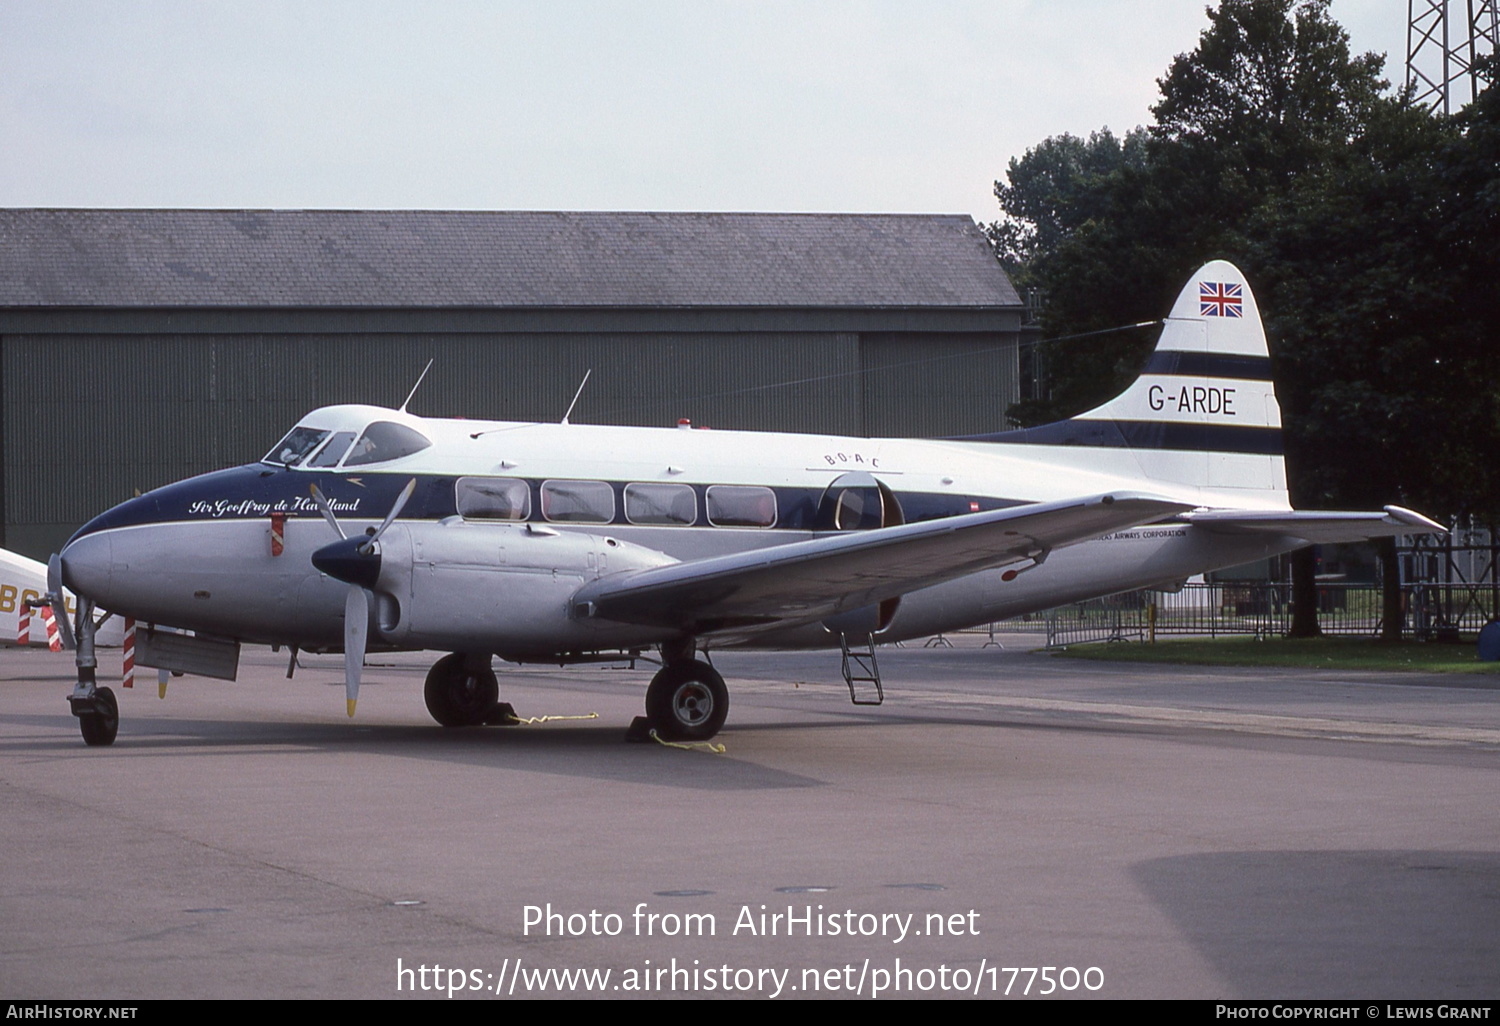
x: 140, y: 347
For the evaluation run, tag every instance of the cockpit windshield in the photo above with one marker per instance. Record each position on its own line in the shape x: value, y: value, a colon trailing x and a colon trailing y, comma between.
x: 293, y: 449
x: 322, y: 448
x: 383, y: 441
x: 330, y: 454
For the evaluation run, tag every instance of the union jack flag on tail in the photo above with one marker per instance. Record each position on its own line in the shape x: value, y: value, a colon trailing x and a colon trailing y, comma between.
x: 1218, y: 299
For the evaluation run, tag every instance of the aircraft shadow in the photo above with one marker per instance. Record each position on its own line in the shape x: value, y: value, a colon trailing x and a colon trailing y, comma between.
x: 1338, y: 924
x: 594, y: 751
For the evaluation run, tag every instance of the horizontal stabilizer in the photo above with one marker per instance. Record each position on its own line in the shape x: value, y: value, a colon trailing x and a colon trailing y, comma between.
x: 812, y: 580
x: 1318, y: 527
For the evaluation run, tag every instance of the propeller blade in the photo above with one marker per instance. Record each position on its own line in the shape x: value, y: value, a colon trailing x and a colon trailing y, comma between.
x: 390, y: 517
x: 327, y: 510
x: 356, y: 629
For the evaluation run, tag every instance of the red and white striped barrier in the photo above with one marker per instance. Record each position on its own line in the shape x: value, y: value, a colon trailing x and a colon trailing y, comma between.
x: 54, y: 636
x: 23, y: 625
x: 128, y: 648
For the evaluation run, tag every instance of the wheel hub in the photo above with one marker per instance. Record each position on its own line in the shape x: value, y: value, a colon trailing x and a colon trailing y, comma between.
x: 694, y: 704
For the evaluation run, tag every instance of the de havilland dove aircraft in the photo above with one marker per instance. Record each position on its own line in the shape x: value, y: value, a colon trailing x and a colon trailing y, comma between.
x: 369, y: 527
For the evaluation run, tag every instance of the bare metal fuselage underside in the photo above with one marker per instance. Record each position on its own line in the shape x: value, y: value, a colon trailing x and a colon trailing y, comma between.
x: 234, y: 587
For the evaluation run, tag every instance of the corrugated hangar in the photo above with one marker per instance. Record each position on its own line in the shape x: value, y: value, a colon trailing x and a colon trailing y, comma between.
x: 138, y: 347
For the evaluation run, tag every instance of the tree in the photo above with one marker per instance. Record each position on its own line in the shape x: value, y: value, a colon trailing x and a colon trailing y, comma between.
x: 1054, y: 190
x: 1366, y: 227
x: 1269, y: 91
x: 1059, y: 196
x: 1109, y: 229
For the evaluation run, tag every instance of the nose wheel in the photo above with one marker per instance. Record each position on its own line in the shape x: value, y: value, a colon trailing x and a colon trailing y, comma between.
x: 96, y: 708
x: 98, y: 717
x: 687, y: 701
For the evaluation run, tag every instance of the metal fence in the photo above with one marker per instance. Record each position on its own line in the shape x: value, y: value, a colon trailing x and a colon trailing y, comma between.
x: 1430, y: 611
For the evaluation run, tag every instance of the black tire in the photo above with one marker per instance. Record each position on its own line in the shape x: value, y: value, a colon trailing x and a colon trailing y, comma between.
x: 99, y: 728
x: 457, y: 696
x: 687, y: 701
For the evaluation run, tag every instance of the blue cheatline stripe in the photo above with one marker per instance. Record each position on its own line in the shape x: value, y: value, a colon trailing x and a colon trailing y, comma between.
x: 255, y: 491
x: 1143, y: 434
x: 1209, y: 365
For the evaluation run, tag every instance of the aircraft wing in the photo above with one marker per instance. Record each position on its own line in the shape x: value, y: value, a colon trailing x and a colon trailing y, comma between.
x: 805, y: 581
x: 1317, y: 527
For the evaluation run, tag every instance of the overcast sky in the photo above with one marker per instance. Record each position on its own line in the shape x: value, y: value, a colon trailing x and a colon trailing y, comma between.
x: 819, y: 105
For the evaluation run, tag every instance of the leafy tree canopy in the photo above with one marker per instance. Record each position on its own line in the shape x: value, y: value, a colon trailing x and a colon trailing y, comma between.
x: 1056, y: 188
x: 1365, y: 226
x: 1271, y: 84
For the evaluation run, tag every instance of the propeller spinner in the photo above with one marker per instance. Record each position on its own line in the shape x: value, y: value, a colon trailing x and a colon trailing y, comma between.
x: 356, y: 561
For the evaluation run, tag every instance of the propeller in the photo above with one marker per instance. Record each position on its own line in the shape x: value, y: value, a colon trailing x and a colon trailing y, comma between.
x: 327, y: 510
x: 356, y: 629
x: 355, y: 561
x: 390, y: 517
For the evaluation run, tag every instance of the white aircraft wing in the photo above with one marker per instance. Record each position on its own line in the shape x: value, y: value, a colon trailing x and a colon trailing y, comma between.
x: 1318, y: 527
x: 805, y: 581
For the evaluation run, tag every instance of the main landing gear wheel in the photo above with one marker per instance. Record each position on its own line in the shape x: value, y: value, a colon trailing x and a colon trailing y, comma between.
x: 459, y: 694
x: 100, y: 726
x: 687, y: 701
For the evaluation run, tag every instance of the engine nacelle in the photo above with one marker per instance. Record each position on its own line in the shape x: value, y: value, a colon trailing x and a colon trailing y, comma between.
x: 504, y: 588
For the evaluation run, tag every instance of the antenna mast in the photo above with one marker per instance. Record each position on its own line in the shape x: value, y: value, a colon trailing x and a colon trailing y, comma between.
x: 417, y: 385
x: 1444, y: 45
x: 576, y: 394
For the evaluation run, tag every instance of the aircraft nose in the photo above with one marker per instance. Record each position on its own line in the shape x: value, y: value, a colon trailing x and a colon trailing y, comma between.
x: 346, y: 561
x: 88, y: 565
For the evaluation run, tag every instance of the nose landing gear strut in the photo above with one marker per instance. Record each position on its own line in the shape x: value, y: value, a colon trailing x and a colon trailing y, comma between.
x: 96, y: 708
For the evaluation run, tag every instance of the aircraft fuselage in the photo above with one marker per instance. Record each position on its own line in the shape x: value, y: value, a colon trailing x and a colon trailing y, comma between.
x: 200, y: 554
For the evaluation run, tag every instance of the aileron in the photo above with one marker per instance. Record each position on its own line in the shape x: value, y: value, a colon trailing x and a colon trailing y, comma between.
x: 1317, y: 527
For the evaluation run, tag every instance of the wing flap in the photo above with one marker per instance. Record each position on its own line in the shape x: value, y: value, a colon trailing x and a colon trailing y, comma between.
x: 1318, y: 527
x: 811, y: 580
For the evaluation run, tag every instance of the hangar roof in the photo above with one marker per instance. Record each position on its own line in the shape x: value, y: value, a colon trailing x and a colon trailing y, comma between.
x: 414, y: 258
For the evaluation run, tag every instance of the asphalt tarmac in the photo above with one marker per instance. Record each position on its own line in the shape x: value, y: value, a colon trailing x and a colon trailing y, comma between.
x: 1006, y: 820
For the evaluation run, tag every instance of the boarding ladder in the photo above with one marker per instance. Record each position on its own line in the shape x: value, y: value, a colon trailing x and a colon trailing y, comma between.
x: 860, y: 668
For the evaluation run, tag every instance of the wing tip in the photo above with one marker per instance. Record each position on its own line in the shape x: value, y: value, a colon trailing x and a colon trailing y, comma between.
x: 1410, y: 518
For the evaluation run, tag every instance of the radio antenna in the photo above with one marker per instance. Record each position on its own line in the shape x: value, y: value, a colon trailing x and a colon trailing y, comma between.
x: 576, y: 394
x: 416, y: 386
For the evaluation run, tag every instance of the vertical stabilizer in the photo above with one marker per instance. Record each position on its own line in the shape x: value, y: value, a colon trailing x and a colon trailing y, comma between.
x: 1203, y: 412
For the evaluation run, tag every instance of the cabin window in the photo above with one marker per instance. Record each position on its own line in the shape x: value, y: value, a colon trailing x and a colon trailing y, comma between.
x: 384, y: 441
x: 741, y: 506
x: 660, y: 504
x: 578, y: 502
x: 330, y: 454
x: 493, y: 498
x: 292, y: 449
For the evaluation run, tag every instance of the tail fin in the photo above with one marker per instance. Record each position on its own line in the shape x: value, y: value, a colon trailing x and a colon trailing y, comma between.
x: 1203, y: 413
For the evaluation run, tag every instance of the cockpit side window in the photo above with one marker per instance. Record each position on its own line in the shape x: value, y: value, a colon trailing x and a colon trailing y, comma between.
x: 383, y: 441
x: 330, y: 454
x: 292, y: 449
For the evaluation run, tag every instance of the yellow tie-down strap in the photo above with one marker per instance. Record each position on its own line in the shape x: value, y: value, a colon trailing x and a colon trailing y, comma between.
x: 531, y: 721
x: 705, y: 746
